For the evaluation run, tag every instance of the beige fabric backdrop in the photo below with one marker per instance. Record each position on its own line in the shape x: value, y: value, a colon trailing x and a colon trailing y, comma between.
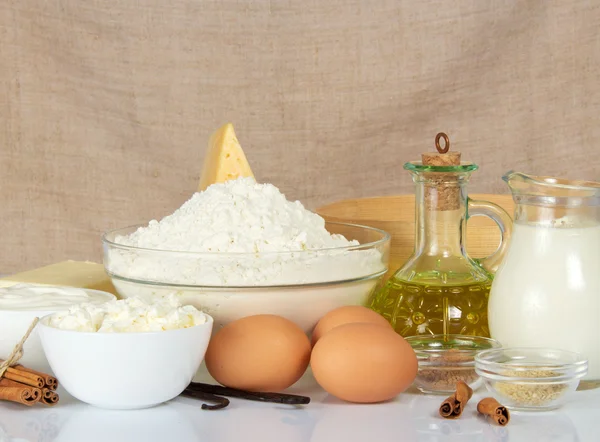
x: 106, y: 106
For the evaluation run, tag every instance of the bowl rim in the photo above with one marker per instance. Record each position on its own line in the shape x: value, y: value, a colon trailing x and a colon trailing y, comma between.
x: 42, y: 323
x: 565, y: 371
x: 432, y: 358
x: 385, y: 238
x: 494, y: 344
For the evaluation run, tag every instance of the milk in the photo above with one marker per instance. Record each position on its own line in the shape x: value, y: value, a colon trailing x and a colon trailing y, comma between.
x: 547, y: 291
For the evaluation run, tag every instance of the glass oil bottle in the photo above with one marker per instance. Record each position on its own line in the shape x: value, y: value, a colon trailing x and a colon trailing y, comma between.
x: 440, y: 289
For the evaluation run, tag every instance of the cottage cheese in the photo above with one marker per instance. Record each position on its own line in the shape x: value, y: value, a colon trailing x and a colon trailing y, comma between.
x: 129, y: 315
x: 242, y: 234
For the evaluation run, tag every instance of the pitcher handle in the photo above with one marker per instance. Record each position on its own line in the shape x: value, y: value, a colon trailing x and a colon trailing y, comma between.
x: 504, y: 222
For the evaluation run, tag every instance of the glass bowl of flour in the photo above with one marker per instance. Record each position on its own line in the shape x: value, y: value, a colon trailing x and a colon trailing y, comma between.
x: 241, y: 248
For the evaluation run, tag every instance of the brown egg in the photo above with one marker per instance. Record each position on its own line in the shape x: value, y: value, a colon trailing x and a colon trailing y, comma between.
x: 346, y: 315
x: 258, y: 353
x: 363, y: 363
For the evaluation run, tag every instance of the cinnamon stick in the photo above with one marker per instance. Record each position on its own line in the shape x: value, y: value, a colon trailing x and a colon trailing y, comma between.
x: 17, y: 386
x: 50, y: 382
x: 16, y: 392
x: 41, y: 380
x: 454, y: 405
x: 492, y: 408
x: 24, y: 378
x: 49, y: 397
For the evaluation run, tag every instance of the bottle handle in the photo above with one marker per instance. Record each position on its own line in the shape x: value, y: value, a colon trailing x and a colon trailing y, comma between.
x: 504, y: 222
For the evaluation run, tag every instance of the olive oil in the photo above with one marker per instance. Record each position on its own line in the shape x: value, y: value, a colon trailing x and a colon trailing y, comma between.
x: 440, y: 289
x: 417, y: 308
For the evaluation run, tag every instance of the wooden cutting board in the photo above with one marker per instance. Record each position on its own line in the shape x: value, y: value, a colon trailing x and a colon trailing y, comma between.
x: 396, y: 215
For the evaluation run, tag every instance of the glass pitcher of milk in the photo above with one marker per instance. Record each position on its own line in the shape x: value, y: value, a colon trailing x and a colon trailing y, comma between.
x: 546, y: 292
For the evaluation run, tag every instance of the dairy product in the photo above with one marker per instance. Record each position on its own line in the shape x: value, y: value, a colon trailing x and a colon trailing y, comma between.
x: 242, y: 234
x: 225, y: 160
x: 20, y: 304
x: 129, y: 315
x: 81, y: 274
x: 547, y: 291
x: 40, y: 298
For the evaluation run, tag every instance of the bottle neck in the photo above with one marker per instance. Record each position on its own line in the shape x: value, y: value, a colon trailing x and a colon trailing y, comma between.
x: 441, y: 211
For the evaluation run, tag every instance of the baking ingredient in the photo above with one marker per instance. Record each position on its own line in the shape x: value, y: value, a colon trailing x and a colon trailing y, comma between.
x: 21, y: 303
x: 19, y: 393
x: 238, y: 216
x: 547, y: 291
x: 492, y: 408
x: 440, y: 289
x: 41, y: 297
x: 241, y: 229
x: 49, y: 397
x: 444, y: 370
x: 22, y: 385
x: 363, y: 363
x: 416, y: 308
x: 23, y: 377
x: 225, y: 160
x: 129, y: 315
x: 453, y: 406
x: 535, y: 394
x: 215, y: 392
x: 218, y: 402
x: 346, y: 315
x: 258, y: 353
x: 83, y: 274
x: 41, y: 380
x: 50, y: 382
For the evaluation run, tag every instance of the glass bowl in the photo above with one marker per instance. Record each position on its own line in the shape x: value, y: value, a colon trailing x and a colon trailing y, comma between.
x: 446, y: 359
x: 229, y: 286
x: 533, y: 379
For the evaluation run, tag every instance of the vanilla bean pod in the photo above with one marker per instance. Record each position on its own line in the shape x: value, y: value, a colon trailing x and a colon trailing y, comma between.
x: 220, y: 402
x: 278, y: 398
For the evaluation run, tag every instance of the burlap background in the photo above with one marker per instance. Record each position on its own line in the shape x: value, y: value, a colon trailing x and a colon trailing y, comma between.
x: 106, y: 106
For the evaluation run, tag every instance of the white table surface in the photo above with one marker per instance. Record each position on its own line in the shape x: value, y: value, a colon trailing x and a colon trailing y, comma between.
x: 411, y: 417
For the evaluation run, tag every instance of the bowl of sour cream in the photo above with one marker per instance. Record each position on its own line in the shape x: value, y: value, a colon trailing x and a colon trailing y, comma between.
x: 20, y: 304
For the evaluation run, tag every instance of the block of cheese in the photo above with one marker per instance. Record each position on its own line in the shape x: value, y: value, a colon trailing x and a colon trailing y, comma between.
x: 225, y: 160
x: 81, y: 274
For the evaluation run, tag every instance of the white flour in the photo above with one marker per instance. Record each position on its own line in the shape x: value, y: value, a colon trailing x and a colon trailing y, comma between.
x: 239, y: 227
x: 238, y: 216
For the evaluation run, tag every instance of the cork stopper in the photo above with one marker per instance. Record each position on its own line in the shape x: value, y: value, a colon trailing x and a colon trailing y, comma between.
x: 441, y: 190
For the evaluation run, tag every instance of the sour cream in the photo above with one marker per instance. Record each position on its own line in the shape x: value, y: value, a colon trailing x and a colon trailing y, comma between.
x: 29, y: 297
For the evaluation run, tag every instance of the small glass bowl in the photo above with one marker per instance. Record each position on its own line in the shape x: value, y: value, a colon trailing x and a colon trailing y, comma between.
x: 446, y: 359
x: 531, y: 379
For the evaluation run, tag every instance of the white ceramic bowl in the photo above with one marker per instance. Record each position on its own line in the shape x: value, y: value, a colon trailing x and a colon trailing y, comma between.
x: 14, y: 324
x: 122, y: 371
x: 345, y: 277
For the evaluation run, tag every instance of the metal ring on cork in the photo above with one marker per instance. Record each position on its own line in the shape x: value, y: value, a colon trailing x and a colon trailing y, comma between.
x: 446, y: 142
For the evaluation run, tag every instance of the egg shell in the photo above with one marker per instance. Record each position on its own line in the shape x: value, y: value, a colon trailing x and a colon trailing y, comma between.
x: 258, y: 353
x: 346, y: 315
x: 363, y: 363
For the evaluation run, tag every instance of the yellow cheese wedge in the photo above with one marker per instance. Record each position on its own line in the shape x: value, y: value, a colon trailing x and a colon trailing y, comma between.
x: 225, y: 160
x: 82, y: 274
